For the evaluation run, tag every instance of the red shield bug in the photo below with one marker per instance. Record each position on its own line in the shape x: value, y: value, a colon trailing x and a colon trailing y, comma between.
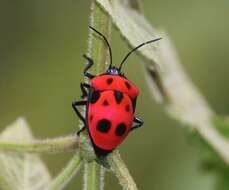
x: 110, y: 104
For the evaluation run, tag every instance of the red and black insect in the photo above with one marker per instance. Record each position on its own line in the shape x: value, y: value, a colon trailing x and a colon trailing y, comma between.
x: 110, y: 105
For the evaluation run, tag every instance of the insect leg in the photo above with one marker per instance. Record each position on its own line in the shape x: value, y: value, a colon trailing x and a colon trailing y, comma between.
x: 138, y: 123
x: 83, y: 87
x: 88, y: 66
x: 74, y: 106
x: 81, y: 130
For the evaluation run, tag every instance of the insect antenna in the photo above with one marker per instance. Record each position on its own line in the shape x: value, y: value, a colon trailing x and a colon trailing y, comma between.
x: 128, y: 54
x: 105, y: 39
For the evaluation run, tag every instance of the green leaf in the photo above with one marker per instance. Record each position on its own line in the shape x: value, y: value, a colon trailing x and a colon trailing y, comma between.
x: 21, y: 171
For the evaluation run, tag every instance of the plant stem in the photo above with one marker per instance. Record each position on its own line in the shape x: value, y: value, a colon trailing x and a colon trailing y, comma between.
x: 56, y: 145
x: 93, y: 176
x: 120, y: 170
x: 117, y: 165
x: 67, y: 174
x: 97, y: 50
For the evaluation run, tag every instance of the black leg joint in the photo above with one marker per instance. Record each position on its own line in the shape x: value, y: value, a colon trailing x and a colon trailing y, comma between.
x: 75, y: 105
x: 81, y: 130
x: 88, y: 66
x: 84, y: 87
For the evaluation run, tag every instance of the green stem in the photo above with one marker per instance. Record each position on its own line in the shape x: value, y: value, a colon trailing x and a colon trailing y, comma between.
x: 67, y: 174
x: 120, y: 170
x: 117, y: 165
x: 97, y: 50
x: 90, y: 176
x: 56, y: 145
x: 93, y: 176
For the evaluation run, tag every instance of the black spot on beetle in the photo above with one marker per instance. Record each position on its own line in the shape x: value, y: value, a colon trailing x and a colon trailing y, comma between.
x: 128, y: 86
x: 103, y: 125
x: 91, y: 118
x: 118, y: 96
x: 109, y: 80
x: 94, y: 97
x: 105, y: 103
x: 121, y: 129
x: 127, y: 108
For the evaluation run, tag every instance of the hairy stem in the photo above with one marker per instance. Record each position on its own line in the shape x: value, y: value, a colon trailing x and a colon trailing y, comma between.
x: 102, y: 22
x: 93, y: 176
x: 67, y: 174
x: 97, y: 50
x: 56, y: 145
x: 120, y: 170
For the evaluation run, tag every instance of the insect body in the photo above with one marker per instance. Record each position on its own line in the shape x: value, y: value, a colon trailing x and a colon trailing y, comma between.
x: 110, y: 127
x: 110, y: 105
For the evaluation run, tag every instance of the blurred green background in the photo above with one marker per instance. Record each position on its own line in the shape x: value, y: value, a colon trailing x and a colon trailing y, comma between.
x: 41, y: 47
